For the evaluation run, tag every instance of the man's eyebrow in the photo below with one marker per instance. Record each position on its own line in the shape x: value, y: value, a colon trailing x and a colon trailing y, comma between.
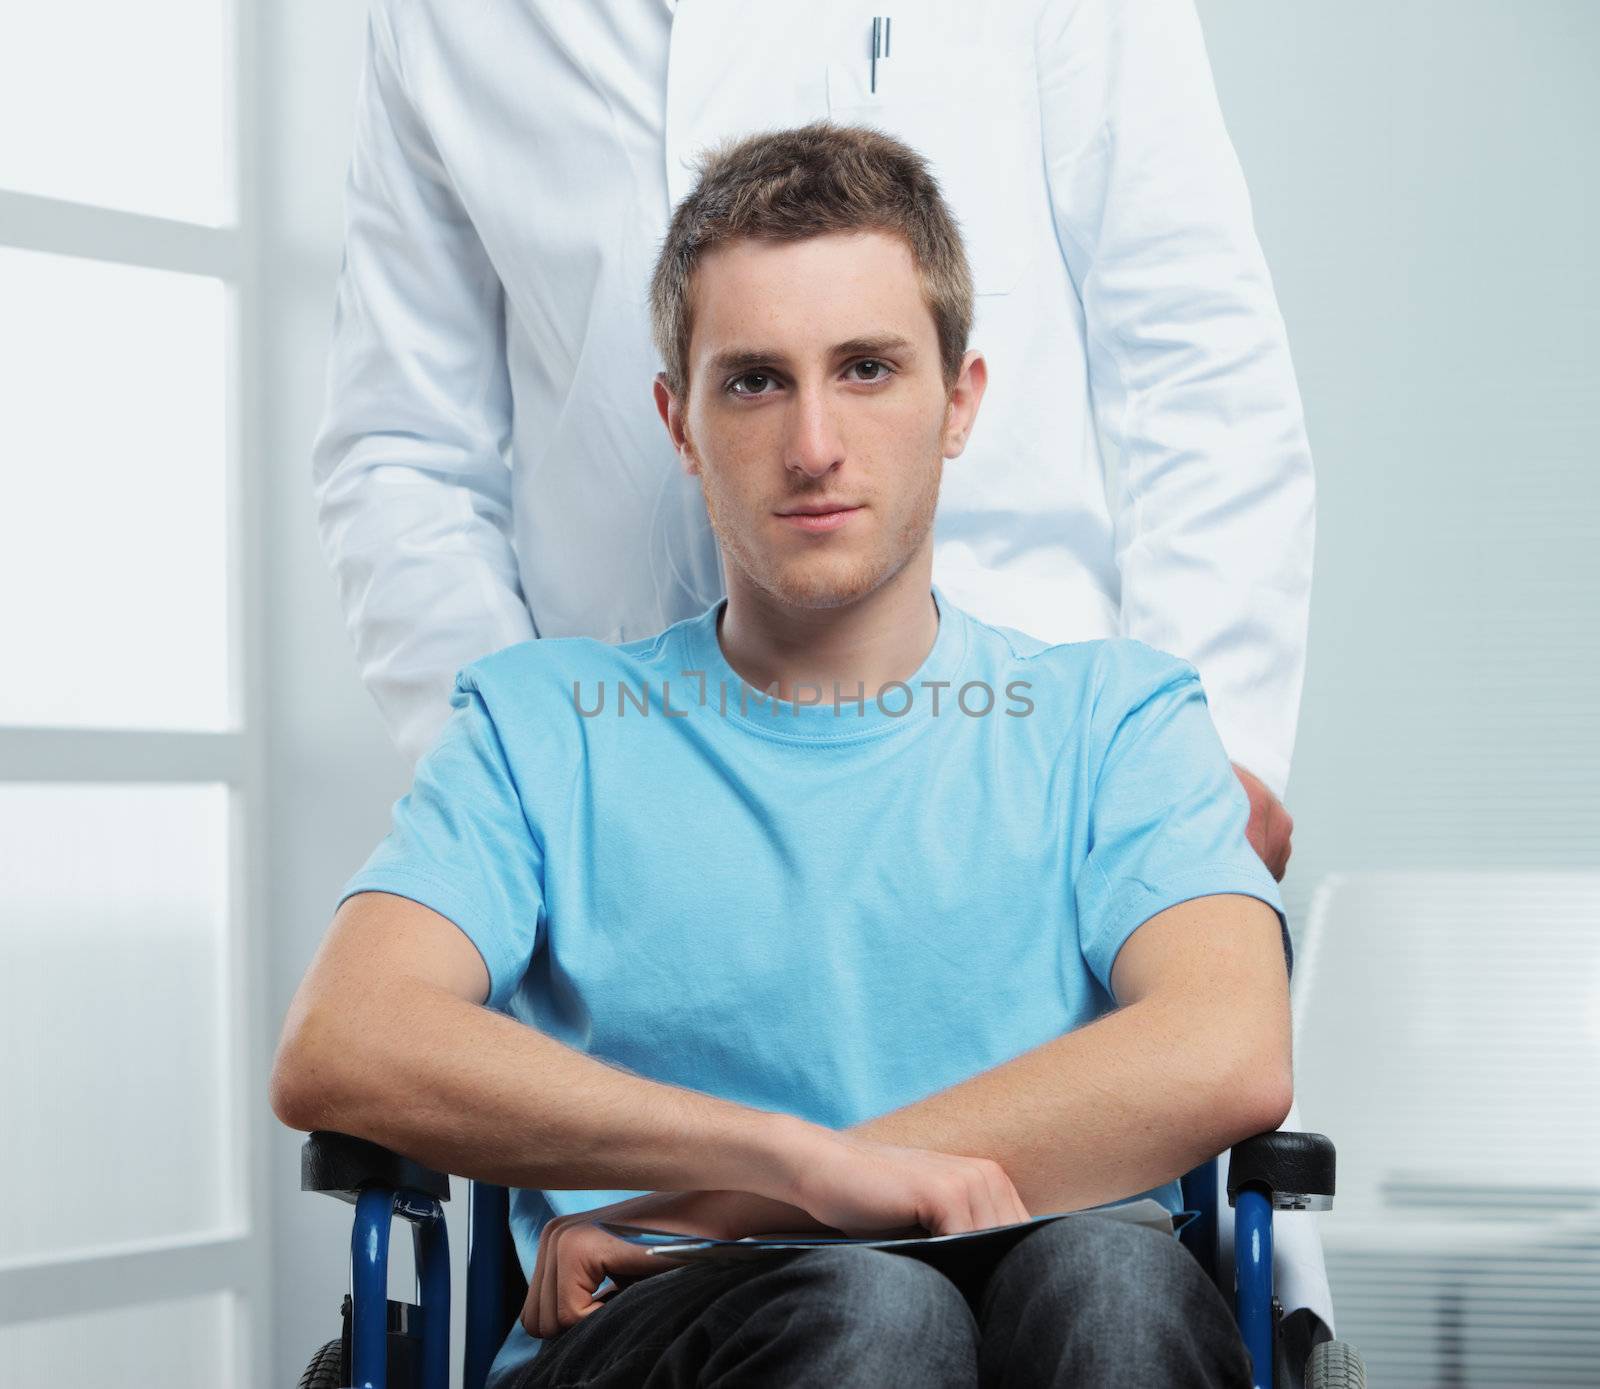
x: 748, y: 359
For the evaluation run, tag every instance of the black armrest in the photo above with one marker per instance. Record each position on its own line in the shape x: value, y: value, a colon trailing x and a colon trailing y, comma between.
x: 339, y: 1165
x: 1296, y: 1169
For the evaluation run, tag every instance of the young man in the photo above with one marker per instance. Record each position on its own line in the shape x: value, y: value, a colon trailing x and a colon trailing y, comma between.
x: 832, y: 907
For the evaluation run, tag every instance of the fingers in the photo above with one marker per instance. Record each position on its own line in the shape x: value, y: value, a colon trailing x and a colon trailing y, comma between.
x: 533, y: 1313
x: 1270, y: 827
x: 983, y: 1198
x: 547, y: 1277
x: 1268, y: 846
x: 1004, y: 1206
x: 1280, y: 827
x: 572, y: 1262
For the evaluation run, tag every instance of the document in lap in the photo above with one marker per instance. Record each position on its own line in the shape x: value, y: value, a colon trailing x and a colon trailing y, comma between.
x: 938, y: 1250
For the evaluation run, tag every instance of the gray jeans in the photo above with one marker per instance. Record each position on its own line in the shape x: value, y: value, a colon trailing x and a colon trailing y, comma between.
x: 1079, y: 1302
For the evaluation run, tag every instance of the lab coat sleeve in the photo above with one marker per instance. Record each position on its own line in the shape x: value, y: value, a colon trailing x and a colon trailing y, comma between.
x: 413, y: 496
x: 1208, y: 470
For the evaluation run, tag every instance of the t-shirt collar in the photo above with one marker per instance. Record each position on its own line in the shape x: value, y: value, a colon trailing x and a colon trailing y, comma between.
x: 896, y: 705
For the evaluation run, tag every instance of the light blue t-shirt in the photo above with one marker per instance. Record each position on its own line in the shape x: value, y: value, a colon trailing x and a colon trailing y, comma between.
x: 830, y: 909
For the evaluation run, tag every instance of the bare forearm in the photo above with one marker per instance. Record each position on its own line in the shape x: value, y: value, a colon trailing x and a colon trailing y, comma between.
x: 1134, y: 1099
x: 467, y: 1090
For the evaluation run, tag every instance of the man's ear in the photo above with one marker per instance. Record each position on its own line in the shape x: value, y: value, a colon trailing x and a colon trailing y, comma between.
x: 962, y: 410
x: 666, y: 404
x: 671, y: 412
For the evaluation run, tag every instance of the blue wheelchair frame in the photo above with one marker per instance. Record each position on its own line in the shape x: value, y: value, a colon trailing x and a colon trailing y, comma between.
x: 1271, y: 1171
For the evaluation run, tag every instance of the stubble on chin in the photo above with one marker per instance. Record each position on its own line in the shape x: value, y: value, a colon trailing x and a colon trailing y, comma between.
x: 836, y: 584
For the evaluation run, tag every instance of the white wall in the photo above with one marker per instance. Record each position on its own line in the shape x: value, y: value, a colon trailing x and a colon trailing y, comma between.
x: 1423, y: 178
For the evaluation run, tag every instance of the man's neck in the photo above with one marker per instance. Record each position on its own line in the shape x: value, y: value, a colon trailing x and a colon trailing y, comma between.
x: 883, y: 637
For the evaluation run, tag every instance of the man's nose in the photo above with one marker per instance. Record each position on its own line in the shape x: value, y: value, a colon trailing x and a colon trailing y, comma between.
x: 814, y: 443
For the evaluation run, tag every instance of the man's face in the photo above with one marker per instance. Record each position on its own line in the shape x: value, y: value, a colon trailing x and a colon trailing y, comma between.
x: 814, y: 381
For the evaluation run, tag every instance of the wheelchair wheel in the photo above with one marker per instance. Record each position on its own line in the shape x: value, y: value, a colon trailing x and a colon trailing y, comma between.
x: 1335, y: 1365
x: 326, y: 1370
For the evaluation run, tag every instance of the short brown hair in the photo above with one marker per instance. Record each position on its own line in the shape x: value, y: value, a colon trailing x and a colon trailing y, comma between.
x: 787, y: 185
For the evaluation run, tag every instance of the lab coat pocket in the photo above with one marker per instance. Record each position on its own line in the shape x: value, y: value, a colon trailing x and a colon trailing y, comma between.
x: 977, y: 124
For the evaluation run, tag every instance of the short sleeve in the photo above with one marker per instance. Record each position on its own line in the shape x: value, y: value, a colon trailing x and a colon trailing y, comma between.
x: 1167, y: 816
x: 461, y: 843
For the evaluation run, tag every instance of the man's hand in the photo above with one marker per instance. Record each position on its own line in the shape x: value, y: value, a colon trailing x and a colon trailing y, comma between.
x: 1270, y: 827
x: 863, y: 1185
x: 576, y: 1255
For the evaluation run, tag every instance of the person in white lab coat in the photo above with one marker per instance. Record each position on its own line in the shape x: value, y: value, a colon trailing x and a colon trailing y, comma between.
x: 488, y: 470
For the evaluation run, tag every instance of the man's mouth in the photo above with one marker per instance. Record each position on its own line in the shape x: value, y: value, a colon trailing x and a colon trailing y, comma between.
x: 820, y: 516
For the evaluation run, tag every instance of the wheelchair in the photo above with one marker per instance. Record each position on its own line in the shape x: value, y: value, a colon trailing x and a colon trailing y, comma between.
x: 388, y: 1344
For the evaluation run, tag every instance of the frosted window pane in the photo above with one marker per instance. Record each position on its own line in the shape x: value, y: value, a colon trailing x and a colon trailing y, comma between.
x: 178, y: 1345
x: 118, y: 104
x: 112, y: 958
x: 113, y: 534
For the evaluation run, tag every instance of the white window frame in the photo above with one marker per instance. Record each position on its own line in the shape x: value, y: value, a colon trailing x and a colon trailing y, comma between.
x: 235, y: 1259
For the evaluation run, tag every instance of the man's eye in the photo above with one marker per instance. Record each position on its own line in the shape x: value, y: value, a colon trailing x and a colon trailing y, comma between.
x: 877, y: 372
x: 882, y: 369
x: 748, y: 376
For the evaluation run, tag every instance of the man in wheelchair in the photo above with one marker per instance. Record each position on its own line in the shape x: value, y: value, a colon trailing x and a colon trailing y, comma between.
x: 834, y: 907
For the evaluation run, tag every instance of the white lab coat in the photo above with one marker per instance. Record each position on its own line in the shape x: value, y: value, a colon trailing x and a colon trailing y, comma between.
x: 491, y: 466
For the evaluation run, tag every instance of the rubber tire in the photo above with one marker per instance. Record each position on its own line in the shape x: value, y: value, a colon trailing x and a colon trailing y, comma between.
x: 326, y: 1370
x: 1335, y: 1365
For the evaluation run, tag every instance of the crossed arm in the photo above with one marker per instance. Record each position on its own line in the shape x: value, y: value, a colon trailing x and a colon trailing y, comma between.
x: 387, y: 1039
